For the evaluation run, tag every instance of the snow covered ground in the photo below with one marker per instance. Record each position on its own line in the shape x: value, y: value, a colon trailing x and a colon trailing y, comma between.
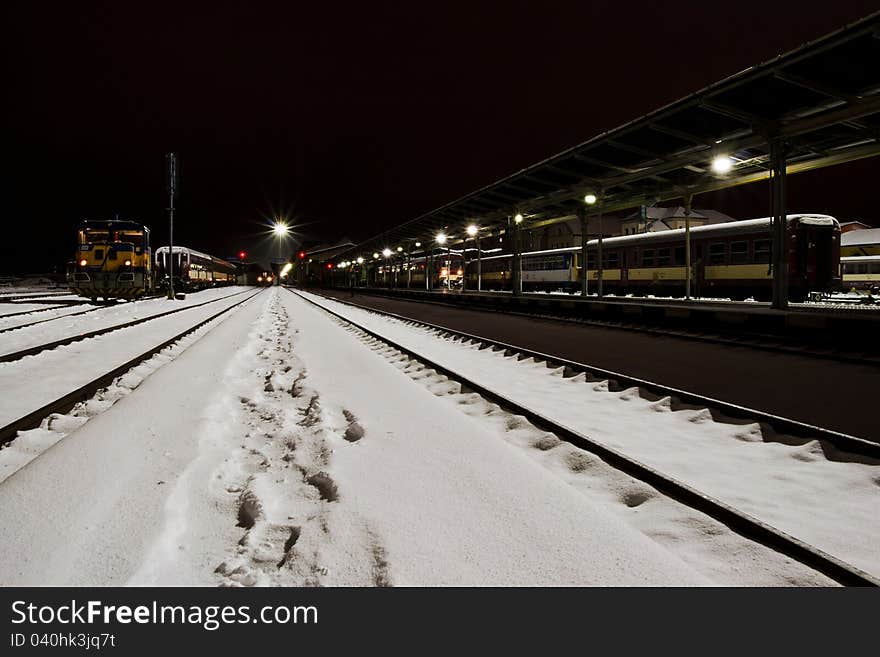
x: 281, y: 447
x: 66, y: 326
x: 802, y: 487
x: 31, y: 382
x: 15, y: 315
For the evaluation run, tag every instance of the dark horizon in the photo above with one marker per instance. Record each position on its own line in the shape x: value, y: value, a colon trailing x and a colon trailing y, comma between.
x: 350, y: 120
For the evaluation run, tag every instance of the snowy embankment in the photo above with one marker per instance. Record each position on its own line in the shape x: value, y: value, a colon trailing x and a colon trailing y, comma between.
x: 64, y: 327
x: 805, y: 488
x: 282, y: 447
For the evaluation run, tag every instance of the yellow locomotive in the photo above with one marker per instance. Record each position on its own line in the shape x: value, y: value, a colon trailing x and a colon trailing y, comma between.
x: 113, y: 260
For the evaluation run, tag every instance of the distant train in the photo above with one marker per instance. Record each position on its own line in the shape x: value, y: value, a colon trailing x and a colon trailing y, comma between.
x: 860, y: 272
x: 113, y: 260
x: 446, y: 270
x: 191, y: 270
x: 730, y: 259
x: 266, y: 278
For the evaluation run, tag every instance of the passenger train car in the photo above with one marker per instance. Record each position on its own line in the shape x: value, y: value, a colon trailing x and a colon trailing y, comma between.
x: 730, y: 259
x: 446, y: 270
x: 191, y: 270
x: 113, y: 260
x: 860, y: 272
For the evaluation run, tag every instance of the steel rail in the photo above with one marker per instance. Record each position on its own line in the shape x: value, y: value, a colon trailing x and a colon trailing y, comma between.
x: 736, y: 520
x: 68, y: 401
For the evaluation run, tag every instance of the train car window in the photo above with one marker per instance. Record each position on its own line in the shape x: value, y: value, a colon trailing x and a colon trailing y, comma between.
x: 874, y: 268
x: 664, y: 257
x: 612, y: 261
x: 739, y: 253
x: 717, y: 253
x: 678, y: 258
x: 97, y: 235
x: 648, y: 258
x: 99, y: 254
x: 762, y: 251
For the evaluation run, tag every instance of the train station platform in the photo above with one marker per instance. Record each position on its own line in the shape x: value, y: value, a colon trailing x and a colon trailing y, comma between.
x: 825, y: 324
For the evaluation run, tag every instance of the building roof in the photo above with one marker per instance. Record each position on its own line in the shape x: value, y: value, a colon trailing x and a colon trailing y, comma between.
x: 860, y: 237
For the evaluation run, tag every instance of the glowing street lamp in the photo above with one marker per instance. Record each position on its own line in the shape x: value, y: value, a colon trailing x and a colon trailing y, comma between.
x: 722, y: 164
x: 360, y: 260
x: 590, y: 199
x: 441, y: 238
x: 472, y: 231
x: 280, y: 229
x: 386, y: 252
x: 518, y: 218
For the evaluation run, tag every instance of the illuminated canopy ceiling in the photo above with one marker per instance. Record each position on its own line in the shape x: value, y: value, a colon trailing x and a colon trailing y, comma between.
x: 822, y: 99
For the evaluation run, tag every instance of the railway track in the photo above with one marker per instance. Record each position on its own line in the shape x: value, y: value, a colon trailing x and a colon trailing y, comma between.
x: 13, y: 298
x: 42, y: 321
x: 30, y: 351
x: 740, y: 522
x: 66, y: 402
x: 750, y: 339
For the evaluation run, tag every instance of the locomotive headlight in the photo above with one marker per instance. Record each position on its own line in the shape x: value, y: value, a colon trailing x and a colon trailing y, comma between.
x: 83, y: 262
x: 128, y: 263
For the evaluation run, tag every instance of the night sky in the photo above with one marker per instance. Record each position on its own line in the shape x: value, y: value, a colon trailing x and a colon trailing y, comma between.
x: 351, y: 117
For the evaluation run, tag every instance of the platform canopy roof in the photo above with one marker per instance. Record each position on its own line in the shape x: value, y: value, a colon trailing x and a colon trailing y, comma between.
x: 822, y: 99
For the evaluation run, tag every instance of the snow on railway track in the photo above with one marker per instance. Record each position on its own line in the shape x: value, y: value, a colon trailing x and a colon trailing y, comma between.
x: 806, y: 488
x: 13, y: 321
x: 33, y: 339
x: 305, y: 458
x: 48, y: 379
x: 337, y: 470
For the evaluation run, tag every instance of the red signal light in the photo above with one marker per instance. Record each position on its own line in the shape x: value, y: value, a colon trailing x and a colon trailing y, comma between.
x: 329, y: 265
x: 241, y: 255
x: 302, y: 254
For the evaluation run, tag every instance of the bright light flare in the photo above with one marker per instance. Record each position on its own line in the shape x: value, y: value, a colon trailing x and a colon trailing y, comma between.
x: 722, y: 164
x: 472, y: 230
x: 518, y: 218
x: 280, y: 229
x: 441, y: 238
x: 590, y: 199
x: 360, y: 260
x: 386, y: 252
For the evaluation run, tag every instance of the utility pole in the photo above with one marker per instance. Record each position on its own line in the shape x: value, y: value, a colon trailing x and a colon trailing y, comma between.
x: 582, y: 217
x: 779, y: 222
x: 599, y: 254
x: 479, y: 265
x: 688, y: 197
x: 516, y: 270
x: 171, y: 167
